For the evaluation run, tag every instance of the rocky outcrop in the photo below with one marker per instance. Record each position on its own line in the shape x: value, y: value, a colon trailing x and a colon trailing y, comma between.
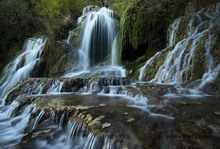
x: 57, y: 59
x: 143, y: 25
x: 35, y: 86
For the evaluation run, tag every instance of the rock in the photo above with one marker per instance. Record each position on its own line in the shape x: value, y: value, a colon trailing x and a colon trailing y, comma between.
x: 130, y: 120
x: 217, y: 113
x: 89, y: 117
x: 102, y: 104
x: 105, y: 125
x: 81, y: 107
x: 94, y: 123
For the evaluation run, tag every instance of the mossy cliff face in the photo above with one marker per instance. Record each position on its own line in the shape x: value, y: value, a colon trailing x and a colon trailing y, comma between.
x: 144, y: 28
x: 143, y: 25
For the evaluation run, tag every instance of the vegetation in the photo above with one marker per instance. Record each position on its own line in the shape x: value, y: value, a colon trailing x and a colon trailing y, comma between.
x: 21, y: 19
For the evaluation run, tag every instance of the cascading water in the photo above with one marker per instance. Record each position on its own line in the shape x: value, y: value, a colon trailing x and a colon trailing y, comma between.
x: 98, y: 43
x: 99, y: 33
x: 199, y: 38
x: 11, y: 128
x: 22, y: 66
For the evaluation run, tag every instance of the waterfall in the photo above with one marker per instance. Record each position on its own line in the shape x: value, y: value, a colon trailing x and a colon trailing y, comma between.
x: 98, y: 50
x: 12, y: 127
x: 22, y: 66
x: 99, y: 33
x: 198, y: 38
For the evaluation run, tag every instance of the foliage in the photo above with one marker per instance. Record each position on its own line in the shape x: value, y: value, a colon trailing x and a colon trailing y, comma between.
x: 25, y: 17
x: 21, y: 19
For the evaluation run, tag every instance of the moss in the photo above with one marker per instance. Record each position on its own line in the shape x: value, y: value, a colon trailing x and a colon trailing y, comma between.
x: 143, y: 27
x: 58, y: 58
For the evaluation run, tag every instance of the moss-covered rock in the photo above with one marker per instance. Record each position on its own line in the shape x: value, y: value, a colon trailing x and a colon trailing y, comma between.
x: 58, y: 58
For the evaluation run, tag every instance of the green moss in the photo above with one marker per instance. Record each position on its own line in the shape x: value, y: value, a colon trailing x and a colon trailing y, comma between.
x: 143, y: 26
x: 57, y: 58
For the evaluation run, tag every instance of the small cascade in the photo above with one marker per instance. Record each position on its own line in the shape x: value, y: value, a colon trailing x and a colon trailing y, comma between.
x: 11, y: 108
x: 36, y: 120
x: 172, y: 31
x: 212, y: 70
x: 101, y: 142
x: 22, y: 66
x: 78, y: 137
x: 13, y: 127
x: 148, y: 63
x: 133, y: 96
x: 55, y: 87
x: 86, y: 10
x: 198, y: 39
x: 97, y: 85
x: 74, y: 130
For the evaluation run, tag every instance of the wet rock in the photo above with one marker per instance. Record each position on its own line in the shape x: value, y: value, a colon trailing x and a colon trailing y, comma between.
x: 130, y: 120
x: 105, y: 125
x: 217, y: 113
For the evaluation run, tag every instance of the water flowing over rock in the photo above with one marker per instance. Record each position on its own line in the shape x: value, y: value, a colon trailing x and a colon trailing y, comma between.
x: 22, y: 66
x: 97, y: 51
x: 193, y: 40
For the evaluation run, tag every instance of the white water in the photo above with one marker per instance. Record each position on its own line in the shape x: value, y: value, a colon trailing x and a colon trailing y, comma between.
x: 22, y: 66
x: 55, y: 88
x: 13, y: 127
x: 98, y: 43
x: 77, y: 140
x: 173, y: 29
x: 86, y: 10
x: 114, y: 52
x: 148, y: 63
x: 98, y: 37
x: 36, y: 120
x: 116, y: 91
x: 178, y: 62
